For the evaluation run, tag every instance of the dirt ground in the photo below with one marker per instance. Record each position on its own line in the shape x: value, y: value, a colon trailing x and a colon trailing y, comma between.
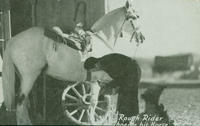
x: 182, y: 105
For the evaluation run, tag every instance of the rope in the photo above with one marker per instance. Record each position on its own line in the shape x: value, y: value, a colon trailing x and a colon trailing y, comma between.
x: 136, y: 50
x: 119, y: 31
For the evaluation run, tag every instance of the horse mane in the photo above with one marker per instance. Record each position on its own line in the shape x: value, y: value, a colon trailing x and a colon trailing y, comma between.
x: 106, y: 20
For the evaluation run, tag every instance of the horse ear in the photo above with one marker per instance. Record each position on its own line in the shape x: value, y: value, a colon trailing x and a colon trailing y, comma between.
x: 127, y: 5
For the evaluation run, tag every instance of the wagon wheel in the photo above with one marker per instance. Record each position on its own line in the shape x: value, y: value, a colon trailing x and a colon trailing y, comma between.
x: 83, y: 105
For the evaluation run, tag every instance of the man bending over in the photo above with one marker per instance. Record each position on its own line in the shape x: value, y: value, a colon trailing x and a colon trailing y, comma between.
x: 126, y: 75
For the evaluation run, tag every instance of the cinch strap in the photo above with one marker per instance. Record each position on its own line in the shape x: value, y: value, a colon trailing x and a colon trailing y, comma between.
x: 89, y: 75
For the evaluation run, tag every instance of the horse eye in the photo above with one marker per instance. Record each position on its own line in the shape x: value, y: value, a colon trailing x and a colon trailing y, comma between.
x: 133, y: 17
x: 133, y: 11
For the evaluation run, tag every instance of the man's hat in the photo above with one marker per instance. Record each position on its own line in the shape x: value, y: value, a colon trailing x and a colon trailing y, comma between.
x: 90, y: 63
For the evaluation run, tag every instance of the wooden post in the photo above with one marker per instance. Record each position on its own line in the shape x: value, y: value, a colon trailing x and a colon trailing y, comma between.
x: 44, y: 96
x: 106, y: 6
x: 2, y: 40
x: 5, y: 23
x: 34, y: 23
x: 35, y: 87
x: 33, y: 12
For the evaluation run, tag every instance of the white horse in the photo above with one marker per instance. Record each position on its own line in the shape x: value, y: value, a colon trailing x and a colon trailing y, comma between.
x: 30, y: 52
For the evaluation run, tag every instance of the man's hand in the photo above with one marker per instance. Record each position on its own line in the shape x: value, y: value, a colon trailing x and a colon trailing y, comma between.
x: 100, y: 75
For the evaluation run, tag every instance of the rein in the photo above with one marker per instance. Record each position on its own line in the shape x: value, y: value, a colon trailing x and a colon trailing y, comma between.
x: 134, y: 28
x: 89, y: 76
x: 120, y: 31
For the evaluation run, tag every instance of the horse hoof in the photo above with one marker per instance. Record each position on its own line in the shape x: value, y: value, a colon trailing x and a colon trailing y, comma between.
x: 23, y: 122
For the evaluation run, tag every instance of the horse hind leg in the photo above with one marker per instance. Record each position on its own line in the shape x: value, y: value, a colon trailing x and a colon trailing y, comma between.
x: 22, y: 112
x: 27, y: 82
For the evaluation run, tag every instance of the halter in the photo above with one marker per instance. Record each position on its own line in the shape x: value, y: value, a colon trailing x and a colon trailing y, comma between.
x: 128, y: 17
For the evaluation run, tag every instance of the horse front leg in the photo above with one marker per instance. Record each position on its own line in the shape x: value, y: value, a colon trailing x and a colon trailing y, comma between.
x: 94, y: 92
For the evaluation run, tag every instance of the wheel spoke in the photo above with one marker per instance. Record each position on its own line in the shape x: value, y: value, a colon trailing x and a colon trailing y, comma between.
x: 72, y: 97
x: 76, y: 92
x: 83, y: 88
x: 88, y: 113
x: 97, y: 115
x: 81, y: 116
x: 98, y: 108
x: 102, y: 102
x: 71, y: 104
x: 72, y: 113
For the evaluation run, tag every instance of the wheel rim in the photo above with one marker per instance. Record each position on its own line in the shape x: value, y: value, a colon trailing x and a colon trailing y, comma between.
x: 83, y: 106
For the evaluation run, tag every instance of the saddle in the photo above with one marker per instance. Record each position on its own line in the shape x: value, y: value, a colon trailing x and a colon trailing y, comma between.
x: 78, y: 39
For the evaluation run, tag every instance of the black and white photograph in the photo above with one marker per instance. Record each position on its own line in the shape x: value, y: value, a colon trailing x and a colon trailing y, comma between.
x: 100, y: 62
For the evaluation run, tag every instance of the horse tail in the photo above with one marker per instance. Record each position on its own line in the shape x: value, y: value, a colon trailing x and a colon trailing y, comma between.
x: 8, y: 80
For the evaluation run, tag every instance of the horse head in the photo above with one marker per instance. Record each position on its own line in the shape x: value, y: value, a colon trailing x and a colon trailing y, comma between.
x: 111, y: 25
x: 132, y: 18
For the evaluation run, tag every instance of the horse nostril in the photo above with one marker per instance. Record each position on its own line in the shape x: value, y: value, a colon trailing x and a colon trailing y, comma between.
x: 134, y: 17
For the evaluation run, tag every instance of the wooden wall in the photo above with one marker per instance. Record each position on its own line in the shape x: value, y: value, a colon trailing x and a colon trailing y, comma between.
x: 20, y: 15
x: 66, y: 13
x: 48, y: 13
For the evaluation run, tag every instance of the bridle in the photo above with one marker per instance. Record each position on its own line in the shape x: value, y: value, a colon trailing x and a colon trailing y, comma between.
x: 128, y: 17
